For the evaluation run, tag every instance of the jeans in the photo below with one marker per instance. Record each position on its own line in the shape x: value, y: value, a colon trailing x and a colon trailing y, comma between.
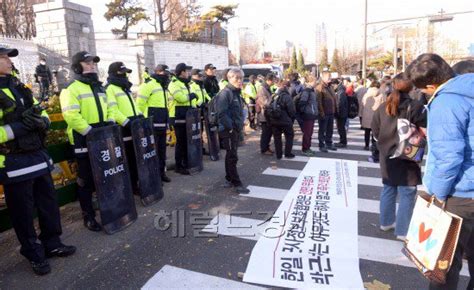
x: 388, y: 199
x: 266, y: 137
x: 326, y: 126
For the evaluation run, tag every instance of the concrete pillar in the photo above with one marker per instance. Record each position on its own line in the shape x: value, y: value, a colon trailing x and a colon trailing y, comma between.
x: 63, y: 28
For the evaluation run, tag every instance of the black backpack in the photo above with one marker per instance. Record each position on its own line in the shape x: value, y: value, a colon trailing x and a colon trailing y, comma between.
x: 273, y: 110
x: 212, y: 114
x: 353, y: 107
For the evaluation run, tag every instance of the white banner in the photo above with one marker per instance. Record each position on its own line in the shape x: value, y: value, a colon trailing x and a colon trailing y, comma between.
x: 315, y: 242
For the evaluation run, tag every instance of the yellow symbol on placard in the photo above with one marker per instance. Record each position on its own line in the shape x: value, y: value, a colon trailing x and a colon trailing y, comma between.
x: 443, y: 264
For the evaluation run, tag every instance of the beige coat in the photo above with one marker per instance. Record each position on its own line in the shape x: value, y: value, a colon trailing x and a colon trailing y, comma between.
x: 370, y: 103
x: 263, y: 98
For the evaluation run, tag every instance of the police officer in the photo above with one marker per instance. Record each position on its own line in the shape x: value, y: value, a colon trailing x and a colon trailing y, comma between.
x: 84, y: 107
x: 196, y: 86
x: 224, y: 81
x: 250, y: 94
x: 43, y: 77
x: 153, y: 102
x: 210, y: 81
x: 182, y: 100
x: 119, y: 98
x: 25, y: 170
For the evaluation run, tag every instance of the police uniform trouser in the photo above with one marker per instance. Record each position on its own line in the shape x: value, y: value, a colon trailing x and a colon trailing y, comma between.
x: 22, y: 198
x: 181, y: 148
x: 132, y: 163
x: 85, y: 185
x: 160, y: 136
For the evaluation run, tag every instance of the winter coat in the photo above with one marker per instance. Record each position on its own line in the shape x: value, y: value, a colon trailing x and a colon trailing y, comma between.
x: 287, y: 106
x: 342, y: 103
x: 308, y: 104
x: 229, y: 109
x: 264, y: 97
x: 370, y: 103
x: 397, y: 171
x: 295, y: 88
x: 360, y: 92
x: 450, y: 164
x: 211, y: 85
x: 326, y: 100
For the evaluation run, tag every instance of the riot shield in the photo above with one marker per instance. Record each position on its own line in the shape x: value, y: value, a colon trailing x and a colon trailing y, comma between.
x: 111, y: 178
x: 194, y: 141
x: 212, y: 139
x: 147, y: 161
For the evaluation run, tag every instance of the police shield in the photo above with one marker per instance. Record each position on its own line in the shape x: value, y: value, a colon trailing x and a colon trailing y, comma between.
x: 194, y: 142
x: 111, y: 178
x: 212, y: 138
x: 147, y: 161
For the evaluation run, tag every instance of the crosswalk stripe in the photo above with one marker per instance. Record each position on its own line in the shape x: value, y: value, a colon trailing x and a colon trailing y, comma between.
x: 364, y: 205
x: 372, y: 249
x: 353, y: 143
x: 362, y: 180
x: 170, y: 277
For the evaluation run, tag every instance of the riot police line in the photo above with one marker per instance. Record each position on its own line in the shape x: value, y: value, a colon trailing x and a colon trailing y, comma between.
x: 119, y: 143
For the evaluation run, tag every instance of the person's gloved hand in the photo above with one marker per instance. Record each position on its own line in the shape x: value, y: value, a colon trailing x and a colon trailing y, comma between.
x: 34, y: 121
x: 192, y: 96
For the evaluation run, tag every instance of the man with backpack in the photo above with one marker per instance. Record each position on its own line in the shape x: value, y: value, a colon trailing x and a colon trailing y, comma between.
x: 307, y: 109
x: 231, y: 122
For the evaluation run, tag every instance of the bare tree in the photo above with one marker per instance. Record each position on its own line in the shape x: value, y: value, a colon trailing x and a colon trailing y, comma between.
x: 19, y: 18
x: 249, y: 52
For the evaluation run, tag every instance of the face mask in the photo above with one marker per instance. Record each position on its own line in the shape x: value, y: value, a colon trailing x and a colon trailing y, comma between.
x: 42, y: 62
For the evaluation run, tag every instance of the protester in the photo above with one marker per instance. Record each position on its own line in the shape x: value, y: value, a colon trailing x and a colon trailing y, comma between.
x: 327, y: 107
x: 284, y: 123
x: 22, y: 132
x: 342, y: 113
x: 464, y: 67
x: 307, y: 108
x: 264, y: 97
x: 449, y: 170
x: 231, y: 122
x: 399, y: 176
x: 370, y: 103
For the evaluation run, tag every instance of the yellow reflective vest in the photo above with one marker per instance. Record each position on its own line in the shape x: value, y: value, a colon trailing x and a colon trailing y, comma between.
x: 180, y: 100
x: 153, y: 101
x: 122, y: 104
x: 80, y: 111
x: 250, y: 92
x: 203, y: 97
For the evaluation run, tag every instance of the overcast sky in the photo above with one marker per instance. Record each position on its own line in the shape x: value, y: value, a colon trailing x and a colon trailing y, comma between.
x: 292, y: 20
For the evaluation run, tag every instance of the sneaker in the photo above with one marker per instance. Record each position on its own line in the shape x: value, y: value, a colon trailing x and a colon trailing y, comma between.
x: 402, y: 238
x: 41, y: 268
x: 268, y: 152
x: 387, y: 228
x: 242, y: 190
x: 290, y: 156
x: 366, y: 148
x: 61, y: 251
x: 332, y: 148
x: 340, y: 145
x: 92, y: 225
x: 323, y: 149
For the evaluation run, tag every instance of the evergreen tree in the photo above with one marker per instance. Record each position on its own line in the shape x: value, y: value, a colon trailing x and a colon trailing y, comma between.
x: 324, y: 59
x: 300, y: 62
x: 293, y: 60
x: 336, y: 61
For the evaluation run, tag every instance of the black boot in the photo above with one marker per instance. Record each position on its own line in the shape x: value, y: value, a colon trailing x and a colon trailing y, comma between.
x: 165, y: 178
x: 61, y: 251
x: 92, y: 224
x: 41, y: 268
